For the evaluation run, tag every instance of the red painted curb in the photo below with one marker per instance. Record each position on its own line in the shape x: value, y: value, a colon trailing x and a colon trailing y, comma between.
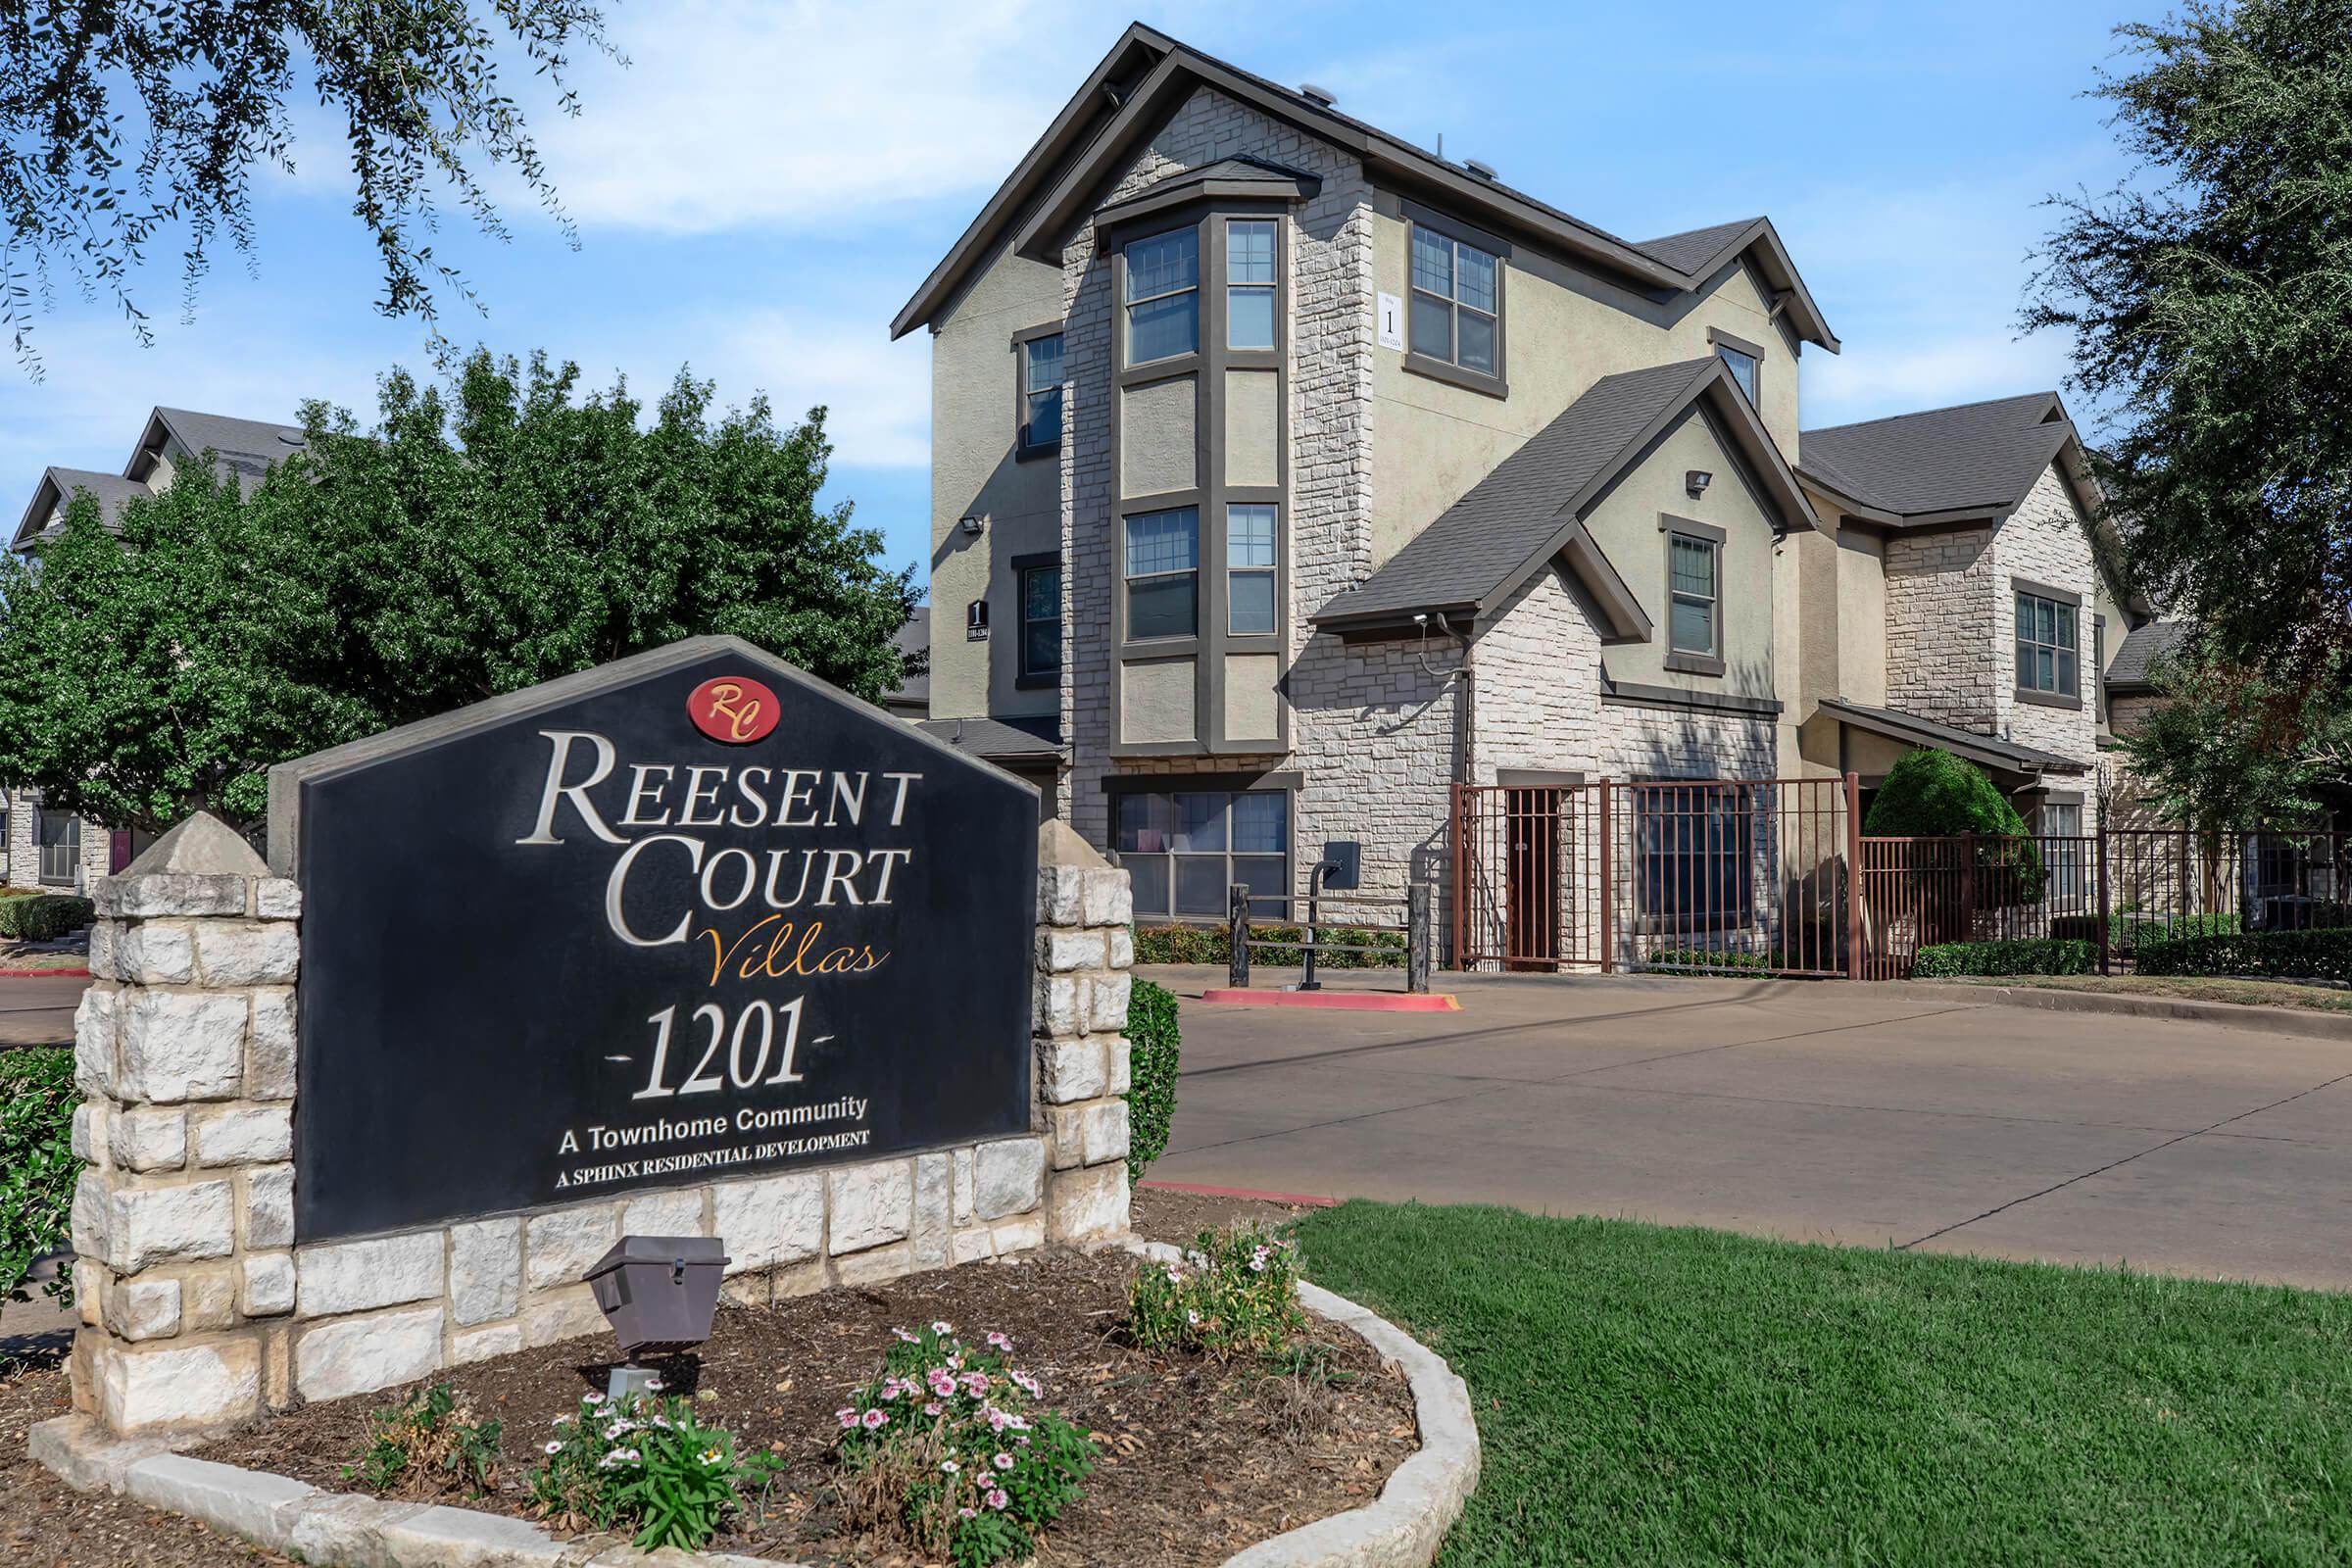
x: 1341, y: 1000
x: 34, y: 974
x: 1294, y: 1200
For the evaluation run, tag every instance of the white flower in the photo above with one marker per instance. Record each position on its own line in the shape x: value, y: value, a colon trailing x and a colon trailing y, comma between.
x: 551, y: 1448
x: 943, y: 1326
x: 949, y: 1467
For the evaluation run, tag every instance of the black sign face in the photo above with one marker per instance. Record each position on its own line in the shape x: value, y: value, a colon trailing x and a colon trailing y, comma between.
x: 689, y: 916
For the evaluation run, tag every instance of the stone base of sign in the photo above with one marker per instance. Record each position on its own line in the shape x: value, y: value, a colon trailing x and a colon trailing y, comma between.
x: 199, y: 1311
x: 1400, y: 1529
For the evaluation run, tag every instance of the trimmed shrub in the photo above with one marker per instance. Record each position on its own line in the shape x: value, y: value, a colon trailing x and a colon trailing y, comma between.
x: 43, y: 916
x: 38, y: 1167
x: 1155, y: 1041
x: 1704, y: 960
x: 2320, y: 955
x: 1212, y: 944
x: 2021, y: 956
x: 2130, y: 929
x: 1930, y: 794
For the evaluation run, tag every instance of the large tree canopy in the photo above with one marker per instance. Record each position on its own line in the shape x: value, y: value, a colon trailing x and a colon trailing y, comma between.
x: 2226, y: 750
x: 476, y: 540
x: 2210, y: 303
x: 122, y: 120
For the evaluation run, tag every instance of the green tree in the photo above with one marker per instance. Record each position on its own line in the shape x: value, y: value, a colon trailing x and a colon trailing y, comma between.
x: 477, y: 540
x: 2224, y: 751
x: 122, y: 120
x: 2209, y: 298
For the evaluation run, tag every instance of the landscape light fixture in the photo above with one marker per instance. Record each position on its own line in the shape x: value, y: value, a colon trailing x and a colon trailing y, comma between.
x: 657, y: 1293
x: 1696, y: 481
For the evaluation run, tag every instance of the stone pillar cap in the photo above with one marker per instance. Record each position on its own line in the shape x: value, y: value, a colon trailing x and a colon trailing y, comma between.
x: 203, y: 845
x: 1059, y: 844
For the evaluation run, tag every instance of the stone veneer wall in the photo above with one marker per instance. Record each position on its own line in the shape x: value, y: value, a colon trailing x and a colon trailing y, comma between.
x: 1941, y: 663
x: 199, y: 1309
x: 2047, y: 541
x: 23, y: 851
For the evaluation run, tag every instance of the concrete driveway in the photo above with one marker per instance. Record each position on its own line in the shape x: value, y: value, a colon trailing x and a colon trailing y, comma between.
x: 38, y: 1009
x: 1815, y: 1111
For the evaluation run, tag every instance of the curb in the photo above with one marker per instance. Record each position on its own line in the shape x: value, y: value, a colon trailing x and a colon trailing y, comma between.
x: 1400, y: 1529
x: 1337, y: 1000
x: 44, y: 974
x: 2306, y: 1022
x: 1294, y: 1200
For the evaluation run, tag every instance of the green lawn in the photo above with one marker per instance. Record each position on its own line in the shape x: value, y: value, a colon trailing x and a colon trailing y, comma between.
x: 1654, y: 1396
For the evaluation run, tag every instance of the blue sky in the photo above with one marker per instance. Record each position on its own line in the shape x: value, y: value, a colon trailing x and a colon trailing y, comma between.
x: 765, y: 183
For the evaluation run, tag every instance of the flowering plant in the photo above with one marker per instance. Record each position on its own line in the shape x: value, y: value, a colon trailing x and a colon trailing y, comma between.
x: 428, y: 1444
x: 951, y: 1444
x: 1235, y: 1291
x: 646, y: 1464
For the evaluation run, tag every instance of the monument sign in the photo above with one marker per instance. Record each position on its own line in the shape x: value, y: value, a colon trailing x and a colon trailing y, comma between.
x: 686, y: 916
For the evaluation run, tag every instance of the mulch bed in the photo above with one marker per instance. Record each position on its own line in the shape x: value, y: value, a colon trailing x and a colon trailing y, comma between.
x: 1199, y: 1459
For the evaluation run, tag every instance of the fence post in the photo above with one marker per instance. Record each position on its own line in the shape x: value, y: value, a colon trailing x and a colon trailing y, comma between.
x: 1416, y: 938
x: 1237, y: 918
x: 1853, y: 876
x: 1968, y: 888
x: 2098, y: 847
x: 1461, y: 874
x: 1608, y: 891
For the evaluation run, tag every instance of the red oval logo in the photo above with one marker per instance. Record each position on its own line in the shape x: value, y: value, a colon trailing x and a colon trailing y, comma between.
x: 734, y: 709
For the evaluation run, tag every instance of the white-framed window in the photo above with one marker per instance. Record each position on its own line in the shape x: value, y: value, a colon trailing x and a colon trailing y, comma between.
x: 1742, y: 365
x: 1040, y: 620
x: 1183, y: 849
x: 1163, y: 296
x: 2045, y: 645
x: 1250, y: 283
x: 1456, y: 302
x: 1250, y: 545
x: 1041, y: 392
x: 1694, y: 594
x: 1163, y: 573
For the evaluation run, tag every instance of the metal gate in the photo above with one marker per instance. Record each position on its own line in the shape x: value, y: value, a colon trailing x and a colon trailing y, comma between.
x: 1690, y: 875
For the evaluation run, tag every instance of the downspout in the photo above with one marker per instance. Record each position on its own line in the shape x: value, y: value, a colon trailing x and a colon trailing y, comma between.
x: 1465, y: 754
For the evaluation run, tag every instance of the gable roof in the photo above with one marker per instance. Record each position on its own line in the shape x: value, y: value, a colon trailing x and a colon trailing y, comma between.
x: 1146, y: 74
x: 2132, y: 670
x: 1530, y: 508
x: 56, y: 487
x: 244, y: 448
x: 1945, y: 464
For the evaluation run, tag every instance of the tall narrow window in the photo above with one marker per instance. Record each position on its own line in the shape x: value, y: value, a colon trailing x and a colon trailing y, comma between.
x: 1456, y: 302
x: 2045, y: 646
x: 1250, y: 283
x: 1163, y: 296
x: 1040, y: 620
x: 1743, y: 368
x: 59, y: 838
x: 1163, y: 573
x: 1040, y: 393
x: 1690, y: 620
x: 1249, y: 568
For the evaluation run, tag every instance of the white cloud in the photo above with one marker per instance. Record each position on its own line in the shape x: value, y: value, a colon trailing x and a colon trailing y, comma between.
x: 734, y: 113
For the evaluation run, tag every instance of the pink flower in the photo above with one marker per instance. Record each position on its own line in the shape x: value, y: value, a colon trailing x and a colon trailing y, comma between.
x: 846, y: 1416
x: 943, y: 1326
x: 967, y: 1513
x: 932, y: 1408
x: 942, y: 1381
x: 995, y: 1498
x: 976, y: 1384
x: 875, y: 1418
x: 1000, y: 1341
x: 1003, y: 1461
x: 905, y: 1338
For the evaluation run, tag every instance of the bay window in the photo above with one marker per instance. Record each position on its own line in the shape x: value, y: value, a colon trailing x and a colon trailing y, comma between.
x: 1250, y: 283
x: 1183, y: 849
x: 1163, y: 573
x: 1163, y: 296
x: 2046, y: 647
x: 1249, y: 568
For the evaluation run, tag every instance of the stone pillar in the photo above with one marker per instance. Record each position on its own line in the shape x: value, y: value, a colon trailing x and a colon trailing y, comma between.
x: 1085, y: 948
x: 183, y: 1222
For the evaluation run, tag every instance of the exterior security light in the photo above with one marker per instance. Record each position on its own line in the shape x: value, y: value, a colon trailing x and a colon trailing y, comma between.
x: 657, y: 1292
x: 1697, y: 480
x: 973, y: 523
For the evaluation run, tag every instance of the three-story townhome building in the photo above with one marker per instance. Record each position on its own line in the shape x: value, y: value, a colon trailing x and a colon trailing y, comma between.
x: 1287, y: 477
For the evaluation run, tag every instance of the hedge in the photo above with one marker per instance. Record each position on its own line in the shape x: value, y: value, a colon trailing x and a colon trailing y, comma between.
x: 2320, y: 955
x: 1706, y: 960
x: 1212, y: 944
x: 2132, y: 929
x: 1154, y: 1044
x: 38, y: 1167
x: 2022, y: 956
x: 43, y: 916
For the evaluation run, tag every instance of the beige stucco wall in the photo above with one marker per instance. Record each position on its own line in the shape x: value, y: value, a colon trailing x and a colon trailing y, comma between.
x: 1626, y: 528
x: 973, y: 426
x: 1563, y: 331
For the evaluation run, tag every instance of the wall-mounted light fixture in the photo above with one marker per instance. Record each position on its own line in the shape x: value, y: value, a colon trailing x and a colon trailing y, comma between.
x: 1696, y: 481
x: 973, y: 523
